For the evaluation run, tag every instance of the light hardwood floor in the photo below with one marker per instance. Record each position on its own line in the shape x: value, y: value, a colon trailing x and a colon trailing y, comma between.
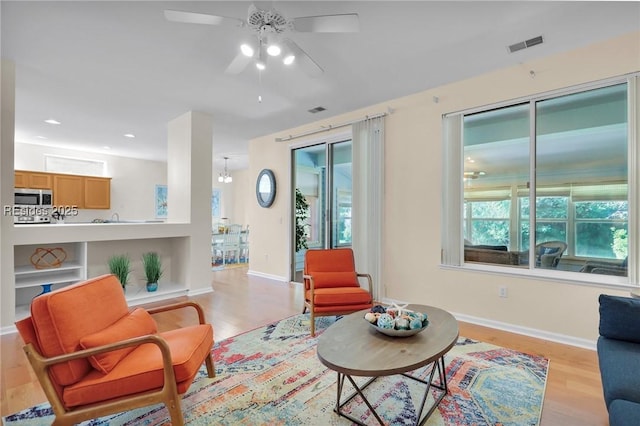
x: 240, y: 303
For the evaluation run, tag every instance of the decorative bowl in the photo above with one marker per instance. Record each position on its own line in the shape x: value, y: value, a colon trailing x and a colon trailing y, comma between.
x: 398, y: 333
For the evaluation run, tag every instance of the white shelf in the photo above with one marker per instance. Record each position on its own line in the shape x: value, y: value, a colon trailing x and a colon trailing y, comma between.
x: 29, y: 279
x: 138, y: 294
x: 28, y: 276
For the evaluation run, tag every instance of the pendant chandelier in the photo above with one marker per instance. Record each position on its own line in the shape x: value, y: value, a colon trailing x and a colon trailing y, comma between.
x: 226, y: 177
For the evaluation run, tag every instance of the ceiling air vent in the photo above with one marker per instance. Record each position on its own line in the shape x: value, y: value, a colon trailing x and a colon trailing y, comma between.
x: 317, y: 109
x: 525, y: 44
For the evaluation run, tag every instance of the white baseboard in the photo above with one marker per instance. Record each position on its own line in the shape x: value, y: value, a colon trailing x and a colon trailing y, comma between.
x: 10, y: 329
x: 531, y: 332
x: 199, y: 291
x: 267, y: 276
x: 517, y: 329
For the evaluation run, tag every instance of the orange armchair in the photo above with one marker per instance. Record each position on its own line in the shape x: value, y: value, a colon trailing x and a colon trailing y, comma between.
x: 94, y: 356
x: 331, y: 284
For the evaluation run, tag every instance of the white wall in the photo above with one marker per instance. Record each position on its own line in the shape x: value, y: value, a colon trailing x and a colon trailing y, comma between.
x: 132, y: 185
x: 413, y: 152
x: 235, y: 197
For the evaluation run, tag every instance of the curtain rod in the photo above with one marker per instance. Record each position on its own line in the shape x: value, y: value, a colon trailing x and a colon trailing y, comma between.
x: 331, y: 127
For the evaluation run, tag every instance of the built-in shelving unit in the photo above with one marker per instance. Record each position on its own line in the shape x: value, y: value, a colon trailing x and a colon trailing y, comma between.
x: 88, y: 248
x: 31, y: 281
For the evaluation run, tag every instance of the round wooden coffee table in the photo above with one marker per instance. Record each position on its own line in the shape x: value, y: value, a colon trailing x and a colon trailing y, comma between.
x: 351, y: 347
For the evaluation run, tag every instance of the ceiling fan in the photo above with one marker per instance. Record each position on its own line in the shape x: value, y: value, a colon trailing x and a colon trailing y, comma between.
x: 268, y: 35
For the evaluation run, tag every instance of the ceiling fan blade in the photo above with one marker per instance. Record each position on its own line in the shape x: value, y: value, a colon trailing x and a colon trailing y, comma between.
x: 238, y: 64
x: 347, y: 23
x: 200, y: 18
x: 304, y: 61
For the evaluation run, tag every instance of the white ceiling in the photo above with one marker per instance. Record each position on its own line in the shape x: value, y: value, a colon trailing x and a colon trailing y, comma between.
x: 104, y: 69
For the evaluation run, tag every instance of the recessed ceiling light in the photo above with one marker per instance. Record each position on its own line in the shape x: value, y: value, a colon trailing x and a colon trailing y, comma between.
x: 129, y: 135
x: 106, y: 147
x: 41, y: 137
x: 51, y: 121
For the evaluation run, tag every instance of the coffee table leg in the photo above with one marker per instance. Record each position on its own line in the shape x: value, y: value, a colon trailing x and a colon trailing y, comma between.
x: 358, y: 391
x: 438, y: 366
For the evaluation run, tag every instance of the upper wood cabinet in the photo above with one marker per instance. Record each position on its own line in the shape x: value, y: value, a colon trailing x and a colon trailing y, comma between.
x: 37, y: 180
x: 97, y: 193
x: 84, y: 192
x: 20, y: 179
x: 68, y: 190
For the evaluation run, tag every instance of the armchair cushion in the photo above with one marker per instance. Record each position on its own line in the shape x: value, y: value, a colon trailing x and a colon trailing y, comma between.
x: 137, y: 323
x: 61, y: 318
x: 340, y: 296
x: 335, y: 279
x: 142, y: 369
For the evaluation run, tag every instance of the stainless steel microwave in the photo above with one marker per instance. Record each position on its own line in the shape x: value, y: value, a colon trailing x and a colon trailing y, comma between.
x: 32, y: 205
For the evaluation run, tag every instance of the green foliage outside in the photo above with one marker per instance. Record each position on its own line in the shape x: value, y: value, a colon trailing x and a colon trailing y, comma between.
x: 302, y: 215
x: 600, y: 226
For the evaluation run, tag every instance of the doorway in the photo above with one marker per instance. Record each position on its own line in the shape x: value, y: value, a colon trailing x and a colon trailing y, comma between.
x: 322, y: 188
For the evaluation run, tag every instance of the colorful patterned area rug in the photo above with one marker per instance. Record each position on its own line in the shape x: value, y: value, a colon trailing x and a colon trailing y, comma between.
x: 272, y: 376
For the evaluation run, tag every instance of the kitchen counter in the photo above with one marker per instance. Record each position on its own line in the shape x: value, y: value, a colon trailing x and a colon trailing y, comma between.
x: 112, y: 231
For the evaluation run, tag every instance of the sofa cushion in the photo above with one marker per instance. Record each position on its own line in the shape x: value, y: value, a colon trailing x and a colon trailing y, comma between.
x: 137, y: 323
x: 142, y: 370
x: 624, y: 413
x: 620, y: 318
x: 62, y: 317
x: 619, y: 366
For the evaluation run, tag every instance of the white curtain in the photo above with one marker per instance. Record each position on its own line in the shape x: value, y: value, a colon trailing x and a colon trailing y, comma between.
x: 452, y: 171
x: 368, y: 199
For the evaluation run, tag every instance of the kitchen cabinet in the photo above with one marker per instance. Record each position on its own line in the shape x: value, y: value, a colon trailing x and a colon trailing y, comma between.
x: 37, y: 180
x: 68, y: 191
x: 97, y: 193
x: 20, y: 179
x: 83, y: 192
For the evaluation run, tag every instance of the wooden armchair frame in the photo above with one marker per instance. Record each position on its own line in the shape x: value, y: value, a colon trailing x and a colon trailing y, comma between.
x: 168, y: 394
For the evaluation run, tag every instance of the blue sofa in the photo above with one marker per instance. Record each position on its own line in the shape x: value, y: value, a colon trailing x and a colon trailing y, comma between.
x: 619, y: 358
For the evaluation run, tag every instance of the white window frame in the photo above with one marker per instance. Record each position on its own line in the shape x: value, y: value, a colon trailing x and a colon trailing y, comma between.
x: 452, y: 247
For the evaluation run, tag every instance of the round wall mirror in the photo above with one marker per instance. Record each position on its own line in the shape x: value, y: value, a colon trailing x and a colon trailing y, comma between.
x: 266, y: 188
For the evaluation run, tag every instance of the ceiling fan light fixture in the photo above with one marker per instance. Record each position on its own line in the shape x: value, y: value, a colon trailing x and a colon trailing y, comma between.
x: 288, y: 59
x: 274, y: 50
x: 247, y: 50
x: 261, y: 65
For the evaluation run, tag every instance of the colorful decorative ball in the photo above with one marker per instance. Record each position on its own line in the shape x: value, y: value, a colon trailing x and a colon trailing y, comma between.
x: 378, y: 309
x: 371, y: 317
x: 415, y: 324
x: 385, y: 321
x: 402, y: 323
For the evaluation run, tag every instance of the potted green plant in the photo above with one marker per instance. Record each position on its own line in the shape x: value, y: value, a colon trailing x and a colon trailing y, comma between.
x: 302, y: 214
x: 152, y: 269
x: 120, y: 266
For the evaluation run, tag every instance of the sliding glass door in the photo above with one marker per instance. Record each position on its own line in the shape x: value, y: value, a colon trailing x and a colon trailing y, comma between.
x: 322, y: 188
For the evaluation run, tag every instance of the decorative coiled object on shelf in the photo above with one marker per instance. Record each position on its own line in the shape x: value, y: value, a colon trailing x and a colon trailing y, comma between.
x: 46, y: 258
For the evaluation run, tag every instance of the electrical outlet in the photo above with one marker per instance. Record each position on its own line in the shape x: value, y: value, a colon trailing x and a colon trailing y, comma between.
x: 502, y: 292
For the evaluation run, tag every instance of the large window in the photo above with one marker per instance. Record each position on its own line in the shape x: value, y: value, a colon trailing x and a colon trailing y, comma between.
x: 545, y: 180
